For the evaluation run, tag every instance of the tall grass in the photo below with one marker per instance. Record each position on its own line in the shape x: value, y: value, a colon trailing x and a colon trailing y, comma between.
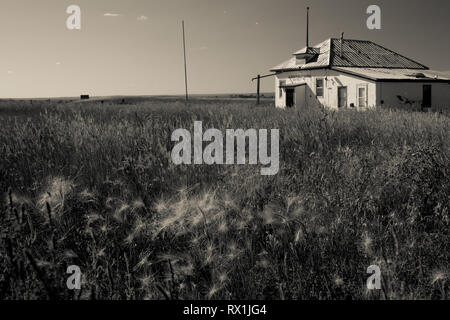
x: 93, y: 185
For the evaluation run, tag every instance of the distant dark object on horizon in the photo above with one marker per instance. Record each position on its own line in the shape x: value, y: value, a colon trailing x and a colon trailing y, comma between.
x: 84, y: 97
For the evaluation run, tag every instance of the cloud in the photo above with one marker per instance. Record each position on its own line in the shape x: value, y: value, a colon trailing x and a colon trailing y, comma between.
x: 10, y: 72
x: 142, y: 18
x: 58, y: 63
x: 111, y: 14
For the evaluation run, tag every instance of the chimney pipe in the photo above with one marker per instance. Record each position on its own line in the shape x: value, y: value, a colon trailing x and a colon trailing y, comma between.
x: 307, y: 27
x: 341, y: 43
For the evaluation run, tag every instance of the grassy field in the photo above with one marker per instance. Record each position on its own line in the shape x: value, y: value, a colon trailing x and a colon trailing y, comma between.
x: 93, y: 185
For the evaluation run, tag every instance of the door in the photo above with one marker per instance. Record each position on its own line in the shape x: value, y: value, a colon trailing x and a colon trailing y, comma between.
x: 300, y: 96
x: 290, y: 93
x: 426, y: 96
x: 342, y: 97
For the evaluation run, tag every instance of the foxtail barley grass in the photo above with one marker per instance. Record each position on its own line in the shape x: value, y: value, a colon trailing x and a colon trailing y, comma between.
x: 94, y: 186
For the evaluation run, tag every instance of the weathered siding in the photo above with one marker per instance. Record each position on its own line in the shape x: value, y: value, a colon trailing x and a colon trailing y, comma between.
x: 378, y: 93
x: 280, y: 95
x: 412, y: 94
x: 332, y: 80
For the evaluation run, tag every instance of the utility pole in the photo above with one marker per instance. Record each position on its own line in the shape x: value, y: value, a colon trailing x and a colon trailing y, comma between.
x: 258, y: 89
x: 307, y: 28
x: 258, y: 85
x: 185, y: 67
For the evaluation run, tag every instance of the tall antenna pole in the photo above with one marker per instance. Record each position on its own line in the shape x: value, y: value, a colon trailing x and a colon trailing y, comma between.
x: 307, y: 27
x: 258, y: 86
x: 185, y: 68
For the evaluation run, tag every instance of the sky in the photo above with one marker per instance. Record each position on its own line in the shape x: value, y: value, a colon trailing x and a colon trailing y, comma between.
x: 134, y: 47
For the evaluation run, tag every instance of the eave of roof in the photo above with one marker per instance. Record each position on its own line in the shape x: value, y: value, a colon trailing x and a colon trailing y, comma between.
x: 293, y: 85
x: 386, y: 74
x: 298, y: 69
x: 394, y: 75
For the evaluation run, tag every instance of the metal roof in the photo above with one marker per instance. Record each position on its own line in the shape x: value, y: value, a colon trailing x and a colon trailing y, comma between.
x: 354, y: 53
x: 358, y: 53
x: 320, y: 61
x: 386, y: 74
x: 308, y: 50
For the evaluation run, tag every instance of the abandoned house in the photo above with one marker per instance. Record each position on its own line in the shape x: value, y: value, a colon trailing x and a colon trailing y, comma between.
x: 343, y: 73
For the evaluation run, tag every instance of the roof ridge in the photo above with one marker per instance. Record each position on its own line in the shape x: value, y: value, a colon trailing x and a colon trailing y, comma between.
x: 346, y: 39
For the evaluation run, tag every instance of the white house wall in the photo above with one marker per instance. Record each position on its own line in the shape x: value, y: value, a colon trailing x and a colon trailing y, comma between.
x: 332, y: 80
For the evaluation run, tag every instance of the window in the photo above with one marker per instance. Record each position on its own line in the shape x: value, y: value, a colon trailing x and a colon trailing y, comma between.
x: 282, y: 83
x: 362, y: 96
x: 319, y: 87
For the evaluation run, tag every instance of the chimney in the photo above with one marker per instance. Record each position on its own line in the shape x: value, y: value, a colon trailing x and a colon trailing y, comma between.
x: 307, y: 27
x: 341, y: 43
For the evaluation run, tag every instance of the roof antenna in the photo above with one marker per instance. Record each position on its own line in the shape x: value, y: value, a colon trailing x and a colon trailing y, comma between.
x: 185, y: 67
x: 307, y: 27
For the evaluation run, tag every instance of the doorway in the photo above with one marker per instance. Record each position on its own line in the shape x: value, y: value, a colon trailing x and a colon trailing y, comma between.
x: 426, y: 102
x: 342, y: 97
x: 290, y: 93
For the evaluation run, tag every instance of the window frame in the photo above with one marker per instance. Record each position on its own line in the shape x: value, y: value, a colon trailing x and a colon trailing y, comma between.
x: 322, y: 87
x: 365, y: 97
